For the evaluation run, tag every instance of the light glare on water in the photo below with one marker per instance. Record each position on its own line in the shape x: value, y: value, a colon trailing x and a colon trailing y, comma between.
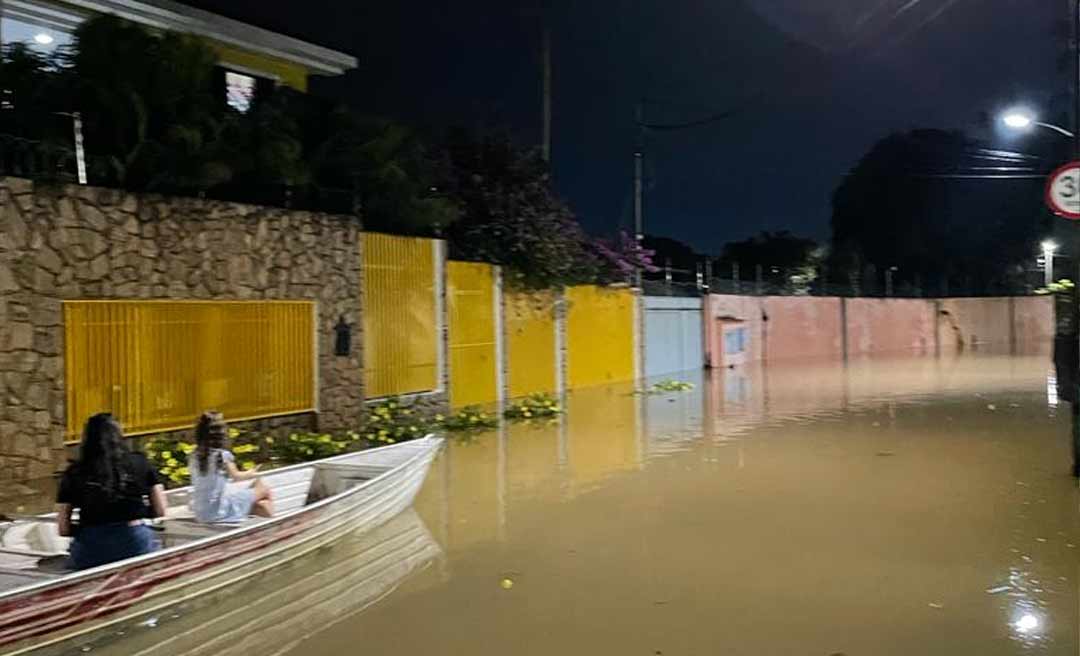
x: 908, y: 507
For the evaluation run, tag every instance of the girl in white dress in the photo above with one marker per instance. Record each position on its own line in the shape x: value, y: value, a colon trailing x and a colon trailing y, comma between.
x: 212, y: 466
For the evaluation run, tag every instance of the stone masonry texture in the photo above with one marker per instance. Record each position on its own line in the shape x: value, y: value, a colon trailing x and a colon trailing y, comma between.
x: 62, y: 243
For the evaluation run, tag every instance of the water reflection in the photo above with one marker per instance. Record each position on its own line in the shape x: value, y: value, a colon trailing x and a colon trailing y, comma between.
x: 884, y: 507
x: 907, y: 507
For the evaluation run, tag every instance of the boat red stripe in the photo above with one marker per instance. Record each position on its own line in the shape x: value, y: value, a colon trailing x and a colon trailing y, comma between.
x: 113, y: 591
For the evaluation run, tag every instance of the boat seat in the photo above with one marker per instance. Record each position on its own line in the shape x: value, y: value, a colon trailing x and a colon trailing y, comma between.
x: 335, y: 478
x: 187, y: 529
x: 39, y: 538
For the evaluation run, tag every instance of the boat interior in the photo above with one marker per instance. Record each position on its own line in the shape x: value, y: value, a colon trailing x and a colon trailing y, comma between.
x: 31, y: 549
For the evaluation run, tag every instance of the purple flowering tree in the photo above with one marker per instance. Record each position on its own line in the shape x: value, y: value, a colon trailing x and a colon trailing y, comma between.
x: 621, y: 257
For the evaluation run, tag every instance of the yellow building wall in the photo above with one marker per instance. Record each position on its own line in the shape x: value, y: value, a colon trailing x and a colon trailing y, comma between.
x: 530, y: 343
x: 401, y: 339
x: 599, y: 335
x: 157, y: 365
x: 288, y: 73
x: 471, y: 320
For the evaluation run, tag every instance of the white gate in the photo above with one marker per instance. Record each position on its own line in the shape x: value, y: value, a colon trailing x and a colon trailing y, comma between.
x: 673, y: 335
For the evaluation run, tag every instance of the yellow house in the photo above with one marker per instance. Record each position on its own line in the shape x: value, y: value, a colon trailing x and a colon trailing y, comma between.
x: 247, y: 54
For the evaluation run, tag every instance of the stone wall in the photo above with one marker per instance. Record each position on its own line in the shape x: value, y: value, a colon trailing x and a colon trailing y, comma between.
x: 67, y: 242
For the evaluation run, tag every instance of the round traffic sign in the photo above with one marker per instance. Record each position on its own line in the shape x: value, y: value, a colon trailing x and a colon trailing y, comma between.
x: 1063, y: 191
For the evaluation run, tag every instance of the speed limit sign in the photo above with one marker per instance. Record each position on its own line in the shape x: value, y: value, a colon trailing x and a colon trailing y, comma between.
x: 1063, y: 191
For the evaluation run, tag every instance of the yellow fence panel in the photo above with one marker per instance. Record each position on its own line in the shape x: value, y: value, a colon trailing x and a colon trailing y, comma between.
x: 156, y: 365
x: 599, y: 336
x: 530, y: 343
x: 401, y: 339
x: 471, y: 296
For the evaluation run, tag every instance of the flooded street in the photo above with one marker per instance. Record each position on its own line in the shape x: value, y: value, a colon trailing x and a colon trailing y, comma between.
x: 889, y: 507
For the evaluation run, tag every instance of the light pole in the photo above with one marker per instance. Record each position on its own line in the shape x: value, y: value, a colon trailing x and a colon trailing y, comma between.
x: 888, y: 280
x: 1066, y: 347
x: 1018, y: 119
x: 80, y: 154
x: 1048, y: 249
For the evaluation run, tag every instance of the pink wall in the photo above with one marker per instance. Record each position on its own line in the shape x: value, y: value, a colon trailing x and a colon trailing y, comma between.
x: 1033, y: 318
x: 813, y: 327
x: 747, y: 308
x: 890, y: 325
x: 802, y: 327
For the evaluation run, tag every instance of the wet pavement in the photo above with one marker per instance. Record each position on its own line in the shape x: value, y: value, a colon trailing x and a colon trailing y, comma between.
x: 885, y: 507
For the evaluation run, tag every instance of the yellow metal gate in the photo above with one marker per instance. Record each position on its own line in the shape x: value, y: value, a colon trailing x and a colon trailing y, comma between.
x: 157, y: 364
x: 401, y: 338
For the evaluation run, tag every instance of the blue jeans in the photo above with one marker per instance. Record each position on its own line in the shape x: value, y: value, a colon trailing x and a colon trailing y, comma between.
x: 108, y: 543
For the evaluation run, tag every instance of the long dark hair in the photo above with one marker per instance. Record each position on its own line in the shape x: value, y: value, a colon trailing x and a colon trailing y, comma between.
x: 210, y: 433
x: 104, y: 458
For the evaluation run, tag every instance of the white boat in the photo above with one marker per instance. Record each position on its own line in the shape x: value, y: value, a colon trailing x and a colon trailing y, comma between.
x: 277, y: 614
x: 46, y: 611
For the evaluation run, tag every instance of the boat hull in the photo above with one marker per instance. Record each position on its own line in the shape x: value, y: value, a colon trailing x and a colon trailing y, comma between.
x: 79, y: 610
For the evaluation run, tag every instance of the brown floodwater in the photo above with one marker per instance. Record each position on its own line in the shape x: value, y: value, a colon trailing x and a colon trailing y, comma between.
x: 886, y: 507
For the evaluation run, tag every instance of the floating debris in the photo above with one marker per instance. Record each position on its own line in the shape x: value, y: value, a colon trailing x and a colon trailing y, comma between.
x: 999, y: 589
x: 991, y: 407
x: 506, y: 583
x: 937, y: 606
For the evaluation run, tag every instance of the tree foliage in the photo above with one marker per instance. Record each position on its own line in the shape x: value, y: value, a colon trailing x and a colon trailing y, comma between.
x: 155, y: 118
x: 924, y: 202
x: 150, y: 117
x: 511, y: 217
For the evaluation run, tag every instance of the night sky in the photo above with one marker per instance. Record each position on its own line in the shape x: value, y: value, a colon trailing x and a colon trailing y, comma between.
x: 813, y: 84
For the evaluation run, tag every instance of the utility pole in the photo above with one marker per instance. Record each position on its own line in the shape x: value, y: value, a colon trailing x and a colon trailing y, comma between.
x: 639, y: 220
x: 1075, y: 350
x: 545, y: 147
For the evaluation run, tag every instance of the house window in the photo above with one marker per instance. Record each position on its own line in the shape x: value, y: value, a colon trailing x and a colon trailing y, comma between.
x: 239, y: 91
x: 735, y: 341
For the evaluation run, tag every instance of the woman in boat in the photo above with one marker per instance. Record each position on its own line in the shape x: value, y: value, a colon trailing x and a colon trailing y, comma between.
x: 115, y: 490
x: 212, y: 466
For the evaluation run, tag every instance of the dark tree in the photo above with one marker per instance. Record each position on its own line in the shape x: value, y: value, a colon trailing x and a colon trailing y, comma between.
x: 681, y: 256
x: 947, y: 212
x: 784, y: 259
x: 510, y: 215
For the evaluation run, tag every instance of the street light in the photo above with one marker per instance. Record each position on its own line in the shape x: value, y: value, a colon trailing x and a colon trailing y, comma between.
x: 1018, y: 119
x: 1049, y: 246
x: 1065, y: 347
